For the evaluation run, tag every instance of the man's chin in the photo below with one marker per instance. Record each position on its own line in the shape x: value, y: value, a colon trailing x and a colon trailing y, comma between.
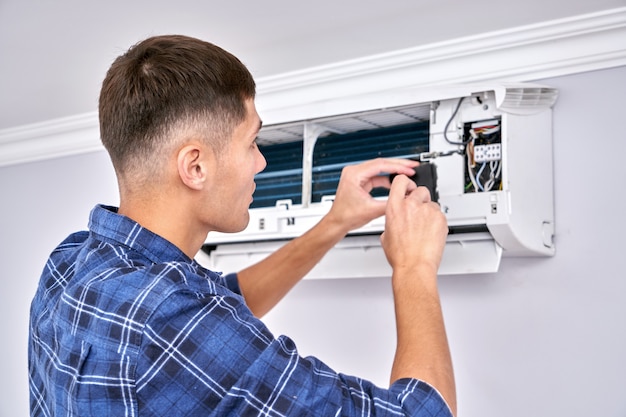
x: 236, y: 228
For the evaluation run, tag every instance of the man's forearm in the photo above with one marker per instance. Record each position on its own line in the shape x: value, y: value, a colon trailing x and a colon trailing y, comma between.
x: 422, y: 351
x: 264, y: 284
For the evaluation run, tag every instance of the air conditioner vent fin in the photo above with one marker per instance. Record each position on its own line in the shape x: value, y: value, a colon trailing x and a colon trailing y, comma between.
x: 347, y: 123
x: 527, y: 100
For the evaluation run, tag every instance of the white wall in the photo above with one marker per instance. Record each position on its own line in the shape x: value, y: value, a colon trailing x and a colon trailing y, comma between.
x: 41, y: 204
x: 543, y: 337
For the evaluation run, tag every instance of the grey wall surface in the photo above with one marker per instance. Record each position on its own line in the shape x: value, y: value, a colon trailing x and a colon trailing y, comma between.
x: 542, y: 337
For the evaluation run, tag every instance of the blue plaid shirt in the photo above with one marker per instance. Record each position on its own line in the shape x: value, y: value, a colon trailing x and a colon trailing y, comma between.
x: 124, y: 324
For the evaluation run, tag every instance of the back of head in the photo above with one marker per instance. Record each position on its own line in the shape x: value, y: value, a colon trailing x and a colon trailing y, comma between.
x: 161, y: 87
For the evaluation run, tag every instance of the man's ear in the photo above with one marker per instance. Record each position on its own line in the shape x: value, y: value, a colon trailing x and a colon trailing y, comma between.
x: 192, y: 163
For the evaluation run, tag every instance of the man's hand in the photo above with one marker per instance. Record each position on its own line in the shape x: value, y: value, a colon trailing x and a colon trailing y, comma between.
x: 415, y: 228
x: 354, y: 206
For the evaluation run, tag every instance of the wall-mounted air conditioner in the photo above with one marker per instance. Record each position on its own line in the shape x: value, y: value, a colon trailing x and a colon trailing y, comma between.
x: 490, y: 147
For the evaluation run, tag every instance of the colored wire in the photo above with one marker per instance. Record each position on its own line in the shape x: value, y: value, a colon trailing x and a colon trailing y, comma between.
x: 470, y: 169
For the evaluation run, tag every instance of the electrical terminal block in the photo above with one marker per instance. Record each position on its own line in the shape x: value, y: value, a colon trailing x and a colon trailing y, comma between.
x: 487, y: 153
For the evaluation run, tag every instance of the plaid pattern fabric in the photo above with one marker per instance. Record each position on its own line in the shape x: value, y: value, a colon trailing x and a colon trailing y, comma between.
x: 124, y: 324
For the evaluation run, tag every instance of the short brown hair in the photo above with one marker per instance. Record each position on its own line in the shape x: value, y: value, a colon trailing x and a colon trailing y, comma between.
x: 166, y: 83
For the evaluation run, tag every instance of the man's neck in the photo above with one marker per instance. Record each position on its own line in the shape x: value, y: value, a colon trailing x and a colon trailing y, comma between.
x: 166, y: 219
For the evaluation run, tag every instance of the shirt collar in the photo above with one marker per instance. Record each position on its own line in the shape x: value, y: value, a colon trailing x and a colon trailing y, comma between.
x: 109, y: 225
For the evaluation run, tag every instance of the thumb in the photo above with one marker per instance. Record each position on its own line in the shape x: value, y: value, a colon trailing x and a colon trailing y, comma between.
x: 400, y: 188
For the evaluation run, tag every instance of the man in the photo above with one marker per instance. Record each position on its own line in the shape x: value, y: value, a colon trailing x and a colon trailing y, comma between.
x: 125, y: 322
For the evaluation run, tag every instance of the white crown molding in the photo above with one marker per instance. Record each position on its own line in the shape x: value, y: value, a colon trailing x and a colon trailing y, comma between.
x: 50, y: 139
x: 549, y: 49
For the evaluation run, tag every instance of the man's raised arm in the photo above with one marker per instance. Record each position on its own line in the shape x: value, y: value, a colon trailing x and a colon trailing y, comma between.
x: 414, y: 238
x: 267, y: 282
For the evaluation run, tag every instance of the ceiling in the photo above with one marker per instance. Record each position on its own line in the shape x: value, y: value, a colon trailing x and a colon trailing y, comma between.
x: 54, y: 54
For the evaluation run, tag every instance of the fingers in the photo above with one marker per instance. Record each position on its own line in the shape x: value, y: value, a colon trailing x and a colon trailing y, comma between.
x: 375, y: 167
x: 402, y: 187
x: 375, y: 173
x: 415, y: 227
x: 356, y: 183
x: 421, y: 193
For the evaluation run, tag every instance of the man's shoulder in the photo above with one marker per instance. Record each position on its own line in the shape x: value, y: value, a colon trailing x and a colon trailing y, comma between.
x: 111, y: 274
x: 73, y: 240
x: 69, y: 247
x: 110, y: 290
x: 120, y: 272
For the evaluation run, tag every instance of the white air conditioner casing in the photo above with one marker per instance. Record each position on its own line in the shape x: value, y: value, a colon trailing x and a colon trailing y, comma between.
x: 516, y: 219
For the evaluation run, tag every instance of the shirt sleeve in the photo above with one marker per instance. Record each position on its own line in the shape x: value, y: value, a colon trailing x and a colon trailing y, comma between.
x: 211, y: 356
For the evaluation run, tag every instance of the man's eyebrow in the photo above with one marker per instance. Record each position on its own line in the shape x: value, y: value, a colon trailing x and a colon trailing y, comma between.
x: 258, y: 129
